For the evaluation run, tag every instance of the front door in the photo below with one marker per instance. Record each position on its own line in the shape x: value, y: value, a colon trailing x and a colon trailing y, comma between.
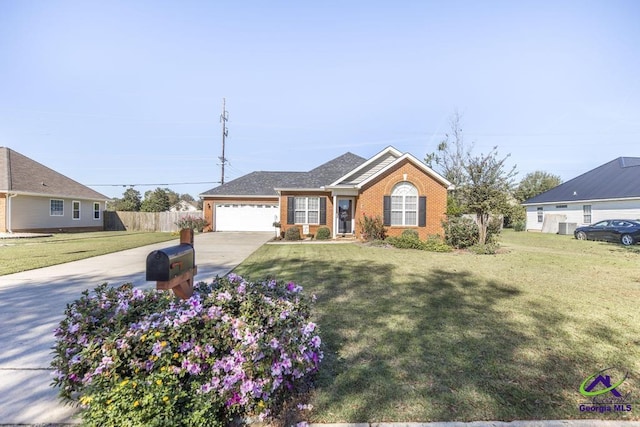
x: 345, y: 216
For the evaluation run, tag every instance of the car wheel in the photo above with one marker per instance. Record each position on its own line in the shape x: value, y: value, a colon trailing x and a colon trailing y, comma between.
x: 627, y: 240
x: 581, y: 235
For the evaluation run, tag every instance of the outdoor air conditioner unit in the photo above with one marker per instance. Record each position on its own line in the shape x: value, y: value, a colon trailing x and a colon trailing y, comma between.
x: 566, y: 228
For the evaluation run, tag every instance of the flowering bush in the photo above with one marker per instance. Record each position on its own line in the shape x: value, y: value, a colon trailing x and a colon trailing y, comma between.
x: 144, y: 358
x: 372, y: 228
x: 192, y: 222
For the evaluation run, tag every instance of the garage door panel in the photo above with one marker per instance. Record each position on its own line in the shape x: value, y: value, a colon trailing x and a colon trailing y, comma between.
x: 245, y: 217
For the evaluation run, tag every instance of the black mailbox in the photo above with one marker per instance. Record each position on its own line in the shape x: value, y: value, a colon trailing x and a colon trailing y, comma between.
x: 168, y: 263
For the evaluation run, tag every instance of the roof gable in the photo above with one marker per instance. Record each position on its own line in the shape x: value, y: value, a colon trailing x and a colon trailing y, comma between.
x: 22, y: 175
x: 369, y: 168
x: 617, y: 179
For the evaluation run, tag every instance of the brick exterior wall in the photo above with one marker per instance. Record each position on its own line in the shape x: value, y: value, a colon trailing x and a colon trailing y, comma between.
x: 313, y: 228
x: 208, y: 205
x: 3, y: 213
x: 370, y: 201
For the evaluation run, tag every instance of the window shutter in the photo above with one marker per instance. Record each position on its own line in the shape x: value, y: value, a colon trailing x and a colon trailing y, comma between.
x: 290, y: 210
x: 387, y: 211
x: 323, y: 211
x: 422, y: 211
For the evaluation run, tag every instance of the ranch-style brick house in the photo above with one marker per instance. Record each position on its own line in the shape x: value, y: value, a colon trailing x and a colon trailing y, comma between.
x: 34, y: 198
x: 395, y: 186
x: 610, y: 191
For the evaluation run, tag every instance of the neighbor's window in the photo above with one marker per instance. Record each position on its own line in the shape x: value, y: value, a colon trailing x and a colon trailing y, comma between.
x: 586, y: 214
x: 540, y: 211
x: 75, y: 208
x: 404, y: 204
x: 307, y: 210
x: 96, y: 210
x: 56, y: 207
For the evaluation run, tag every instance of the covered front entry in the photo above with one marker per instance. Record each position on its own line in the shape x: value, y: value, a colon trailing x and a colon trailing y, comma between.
x: 344, y: 216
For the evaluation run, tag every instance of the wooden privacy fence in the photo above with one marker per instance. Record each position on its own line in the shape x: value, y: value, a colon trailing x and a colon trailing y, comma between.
x: 145, y: 221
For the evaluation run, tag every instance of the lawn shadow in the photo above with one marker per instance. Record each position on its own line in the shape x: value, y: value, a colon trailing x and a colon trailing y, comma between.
x: 441, y: 346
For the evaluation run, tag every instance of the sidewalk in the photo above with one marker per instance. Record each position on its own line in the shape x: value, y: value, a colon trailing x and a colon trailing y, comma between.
x: 33, y: 303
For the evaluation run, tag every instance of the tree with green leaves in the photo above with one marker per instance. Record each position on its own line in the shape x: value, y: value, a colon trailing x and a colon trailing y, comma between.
x: 155, y: 201
x: 483, y: 184
x: 535, y: 183
x: 487, y: 187
x: 130, y: 201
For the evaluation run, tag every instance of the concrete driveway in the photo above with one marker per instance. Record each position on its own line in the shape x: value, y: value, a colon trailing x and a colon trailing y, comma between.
x: 32, y: 303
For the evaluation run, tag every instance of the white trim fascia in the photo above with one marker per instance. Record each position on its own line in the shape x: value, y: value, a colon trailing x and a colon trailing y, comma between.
x: 560, y: 202
x: 60, y: 196
x: 236, y: 196
x: 416, y: 162
x: 388, y: 150
x: 301, y: 189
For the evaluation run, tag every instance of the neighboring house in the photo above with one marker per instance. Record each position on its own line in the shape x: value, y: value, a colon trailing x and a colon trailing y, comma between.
x: 396, y: 186
x: 183, y: 206
x: 35, y: 198
x: 608, y: 191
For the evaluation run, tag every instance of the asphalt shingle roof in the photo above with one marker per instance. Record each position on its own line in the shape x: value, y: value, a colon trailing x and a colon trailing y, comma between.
x: 617, y: 179
x: 20, y: 174
x: 263, y: 183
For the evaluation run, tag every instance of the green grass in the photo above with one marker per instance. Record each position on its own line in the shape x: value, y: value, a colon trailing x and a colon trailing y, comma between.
x: 29, y: 253
x: 420, y: 336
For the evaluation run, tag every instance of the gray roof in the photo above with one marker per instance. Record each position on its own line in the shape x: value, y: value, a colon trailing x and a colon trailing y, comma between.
x: 22, y: 175
x: 264, y: 183
x: 617, y: 179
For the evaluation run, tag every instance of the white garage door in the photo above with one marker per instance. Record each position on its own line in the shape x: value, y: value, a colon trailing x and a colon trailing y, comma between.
x: 245, y: 217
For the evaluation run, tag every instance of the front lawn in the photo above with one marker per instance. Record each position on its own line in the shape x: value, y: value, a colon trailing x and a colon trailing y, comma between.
x: 421, y: 336
x: 29, y: 253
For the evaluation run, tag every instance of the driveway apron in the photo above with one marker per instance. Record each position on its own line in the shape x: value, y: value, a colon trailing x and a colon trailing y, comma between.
x: 32, y: 303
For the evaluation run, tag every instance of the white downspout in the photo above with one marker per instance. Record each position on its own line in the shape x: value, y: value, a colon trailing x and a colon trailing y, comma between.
x: 8, y: 218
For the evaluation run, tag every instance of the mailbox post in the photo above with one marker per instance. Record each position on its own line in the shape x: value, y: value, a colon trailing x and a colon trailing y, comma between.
x: 174, y: 267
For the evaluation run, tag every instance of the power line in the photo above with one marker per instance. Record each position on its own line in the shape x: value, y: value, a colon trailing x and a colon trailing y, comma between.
x: 151, y: 185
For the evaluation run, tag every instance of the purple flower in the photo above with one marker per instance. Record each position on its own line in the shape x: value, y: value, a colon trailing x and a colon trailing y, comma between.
x: 214, y: 312
x: 185, y: 346
x: 137, y: 294
x: 308, y: 329
x: 315, y: 341
x: 224, y: 296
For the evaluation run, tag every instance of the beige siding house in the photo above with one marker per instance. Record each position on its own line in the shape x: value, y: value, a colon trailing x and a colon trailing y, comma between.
x: 35, y: 198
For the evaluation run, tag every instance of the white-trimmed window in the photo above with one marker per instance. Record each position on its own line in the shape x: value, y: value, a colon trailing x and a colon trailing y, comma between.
x: 96, y: 210
x: 307, y: 210
x: 586, y: 214
x: 56, y: 207
x: 404, y: 204
x: 75, y: 210
x: 540, y: 214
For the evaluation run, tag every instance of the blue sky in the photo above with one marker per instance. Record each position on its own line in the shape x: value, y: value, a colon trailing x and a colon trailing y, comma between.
x: 130, y: 92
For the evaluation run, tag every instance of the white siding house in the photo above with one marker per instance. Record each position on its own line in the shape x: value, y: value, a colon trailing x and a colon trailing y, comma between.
x: 610, y: 191
x: 36, y: 198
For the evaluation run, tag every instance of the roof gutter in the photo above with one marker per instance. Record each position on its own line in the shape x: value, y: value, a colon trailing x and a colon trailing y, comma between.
x: 565, y: 202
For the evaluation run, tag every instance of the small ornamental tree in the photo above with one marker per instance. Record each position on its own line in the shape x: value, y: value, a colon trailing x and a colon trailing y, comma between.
x: 143, y: 358
x: 487, y: 188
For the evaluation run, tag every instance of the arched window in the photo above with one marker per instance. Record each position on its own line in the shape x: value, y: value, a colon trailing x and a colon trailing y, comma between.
x: 404, y: 204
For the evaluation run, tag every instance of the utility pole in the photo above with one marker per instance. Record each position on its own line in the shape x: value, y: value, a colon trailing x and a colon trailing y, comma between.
x: 223, y: 118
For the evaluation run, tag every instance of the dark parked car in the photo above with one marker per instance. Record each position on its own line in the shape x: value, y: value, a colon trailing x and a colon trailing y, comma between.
x: 624, y: 231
